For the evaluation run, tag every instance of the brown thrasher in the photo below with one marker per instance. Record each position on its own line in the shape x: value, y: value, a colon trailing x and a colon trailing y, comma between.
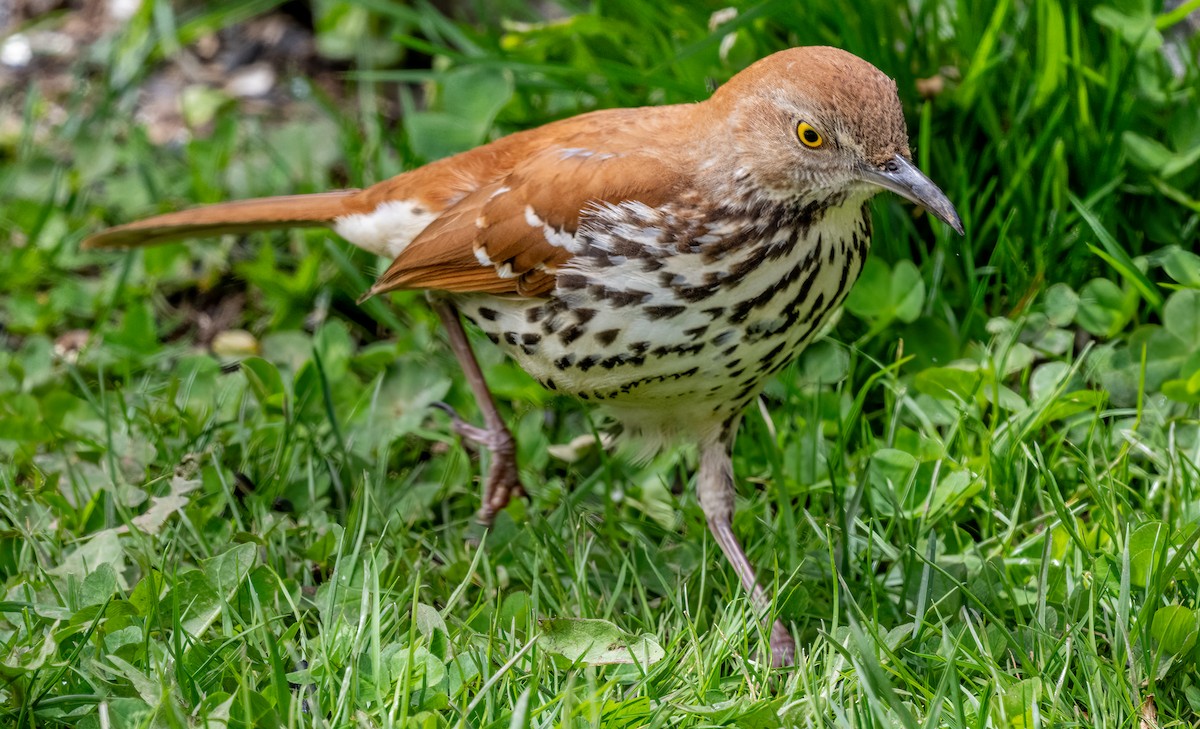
x: 660, y: 261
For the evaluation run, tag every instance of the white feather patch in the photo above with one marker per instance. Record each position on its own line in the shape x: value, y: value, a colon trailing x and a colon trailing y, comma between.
x: 388, y: 229
x: 531, y: 217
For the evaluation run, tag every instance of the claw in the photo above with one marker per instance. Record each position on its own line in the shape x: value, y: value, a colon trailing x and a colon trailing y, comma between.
x: 482, y: 437
x: 503, y: 480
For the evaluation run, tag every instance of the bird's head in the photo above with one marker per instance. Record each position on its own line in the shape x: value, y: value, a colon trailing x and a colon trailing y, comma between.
x: 821, y: 122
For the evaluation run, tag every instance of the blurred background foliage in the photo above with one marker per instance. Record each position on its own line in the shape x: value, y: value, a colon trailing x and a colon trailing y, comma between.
x: 996, y: 445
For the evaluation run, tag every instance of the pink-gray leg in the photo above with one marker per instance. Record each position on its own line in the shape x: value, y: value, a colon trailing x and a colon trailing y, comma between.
x: 714, y: 486
x: 503, y: 480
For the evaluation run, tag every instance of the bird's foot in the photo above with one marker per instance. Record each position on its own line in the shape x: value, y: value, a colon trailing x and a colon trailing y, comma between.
x: 503, y: 479
x: 783, y: 648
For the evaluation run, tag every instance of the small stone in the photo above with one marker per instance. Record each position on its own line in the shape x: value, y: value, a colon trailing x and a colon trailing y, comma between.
x: 69, y: 344
x: 252, y: 81
x: 235, y: 344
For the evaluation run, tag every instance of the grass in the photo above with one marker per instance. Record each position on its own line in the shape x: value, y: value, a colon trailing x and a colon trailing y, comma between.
x: 979, y: 496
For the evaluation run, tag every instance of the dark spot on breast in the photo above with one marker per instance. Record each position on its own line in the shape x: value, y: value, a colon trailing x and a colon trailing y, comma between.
x: 629, y: 249
x: 619, y: 297
x: 733, y: 363
x: 565, y: 361
x: 745, y: 394
x: 650, y: 265
x: 818, y: 306
x: 696, y: 332
x: 724, y: 336
x: 668, y: 279
x: 607, y: 336
x: 531, y: 338
x: 663, y: 312
x: 842, y: 282
x: 534, y: 314
x: 492, y: 337
x: 694, y: 294
x: 572, y: 281
x: 639, y: 347
x: 510, y: 338
x: 489, y: 314
x: 570, y: 334
x: 583, y: 315
x: 714, y: 311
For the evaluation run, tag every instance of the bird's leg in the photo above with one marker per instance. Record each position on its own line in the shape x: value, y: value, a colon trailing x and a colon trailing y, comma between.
x: 714, y: 486
x: 503, y: 481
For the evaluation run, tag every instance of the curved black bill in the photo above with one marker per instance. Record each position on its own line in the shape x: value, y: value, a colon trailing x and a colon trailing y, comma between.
x: 903, y: 178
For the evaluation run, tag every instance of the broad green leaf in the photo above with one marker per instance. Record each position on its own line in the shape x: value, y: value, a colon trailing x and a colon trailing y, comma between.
x: 870, y: 296
x: 1184, y: 391
x: 251, y: 709
x: 103, y: 548
x: 1181, y: 316
x: 421, y: 666
x: 1103, y: 308
x: 597, y: 642
x: 1174, y: 629
x: 1146, y: 546
x: 1148, y: 154
x: 1046, y: 379
x: 201, y: 594
x: 1015, y: 708
x: 515, y: 607
x: 137, y: 333
x: 265, y: 382
x: 1137, y: 29
x: 98, y: 586
x: 907, y: 292
x: 1182, y: 266
x: 24, y: 660
x: 823, y: 363
x: 1061, y: 304
x: 465, y: 104
x: 951, y: 383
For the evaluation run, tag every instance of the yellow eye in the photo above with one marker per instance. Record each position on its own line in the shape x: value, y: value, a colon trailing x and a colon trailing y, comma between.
x: 809, y: 137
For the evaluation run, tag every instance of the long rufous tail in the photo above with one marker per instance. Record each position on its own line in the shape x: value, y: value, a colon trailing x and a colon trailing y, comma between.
x: 241, y: 216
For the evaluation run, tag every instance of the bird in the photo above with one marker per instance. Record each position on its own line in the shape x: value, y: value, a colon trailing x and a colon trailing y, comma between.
x: 661, y: 262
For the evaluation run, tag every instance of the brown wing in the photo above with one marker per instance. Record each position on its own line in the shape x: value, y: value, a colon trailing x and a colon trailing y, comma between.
x: 509, y: 236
